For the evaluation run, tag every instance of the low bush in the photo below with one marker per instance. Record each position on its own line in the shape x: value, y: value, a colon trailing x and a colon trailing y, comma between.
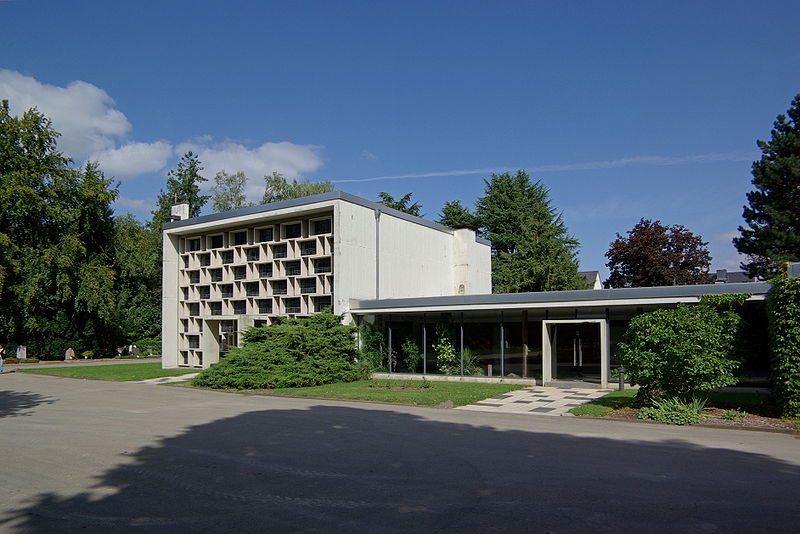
x: 674, y: 411
x: 411, y: 354
x: 681, y: 351
x: 292, y: 353
x: 783, y: 305
x: 372, y: 354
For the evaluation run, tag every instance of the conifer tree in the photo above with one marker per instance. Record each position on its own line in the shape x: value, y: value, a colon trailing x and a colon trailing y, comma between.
x: 772, y: 234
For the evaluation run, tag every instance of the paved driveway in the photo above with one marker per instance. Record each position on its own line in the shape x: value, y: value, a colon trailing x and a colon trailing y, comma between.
x: 93, y: 456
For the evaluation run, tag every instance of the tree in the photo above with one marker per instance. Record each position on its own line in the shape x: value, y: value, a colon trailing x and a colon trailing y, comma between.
x: 401, y: 204
x: 656, y: 255
x: 772, y: 235
x: 531, y: 248
x: 182, y: 186
x: 278, y: 188
x: 228, y: 192
x: 455, y: 215
x: 56, y: 228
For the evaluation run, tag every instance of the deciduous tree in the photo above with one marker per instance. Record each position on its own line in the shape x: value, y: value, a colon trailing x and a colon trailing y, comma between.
x: 228, y: 192
x: 772, y: 234
x: 656, y: 255
x: 279, y: 188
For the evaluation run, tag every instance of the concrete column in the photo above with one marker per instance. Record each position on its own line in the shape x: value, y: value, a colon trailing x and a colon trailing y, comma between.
x: 547, y: 354
x: 210, y: 343
x: 605, y: 353
x: 524, y: 343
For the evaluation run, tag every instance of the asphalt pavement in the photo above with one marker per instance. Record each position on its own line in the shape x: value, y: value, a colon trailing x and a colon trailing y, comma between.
x: 95, y: 456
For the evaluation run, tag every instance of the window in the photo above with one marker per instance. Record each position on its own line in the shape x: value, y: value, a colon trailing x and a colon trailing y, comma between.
x: 186, y: 262
x: 194, y: 277
x: 240, y: 272
x: 320, y: 303
x: 227, y: 327
x: 240, y: 307
x: 185, y: 356
x: 194, y: 309
x: 194, y: 245
x: 204, y: 292
x: 215, y: 308
x: 279, y: 287
x: 185, y: 324
x: 216, y: 275
x: 252, y: 289
x: 291, y: 305
x: 226, y: 291
x: 265, y: 234
x: 308, y: 285
x: 308, y: 248
x: 322, y: 265
x: 205, y: 260
x: 240, y: 238
x: 279, y: 251
x: 227, y: 257
x: 194, y: 342
x: 185, y: 293
x: 292, y: 230
x: 292, y: 268
x: 322, y: 227
x: 253, y: 254
x: 265, y: 270
x: 216, y: 241
x: 264, y: 307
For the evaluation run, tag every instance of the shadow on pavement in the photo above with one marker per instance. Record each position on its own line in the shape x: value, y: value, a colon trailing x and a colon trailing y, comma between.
x: 342, y: 469
x: 14, y: 403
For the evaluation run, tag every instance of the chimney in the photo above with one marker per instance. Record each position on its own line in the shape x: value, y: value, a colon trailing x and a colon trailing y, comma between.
x: 180, y: 211
x: 722, y: 276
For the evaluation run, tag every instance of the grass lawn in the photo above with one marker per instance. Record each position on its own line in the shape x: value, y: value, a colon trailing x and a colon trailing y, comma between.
x: 425, y: 393
x: 118, y: 372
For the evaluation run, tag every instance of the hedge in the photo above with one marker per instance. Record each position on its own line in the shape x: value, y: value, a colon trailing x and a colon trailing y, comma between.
x: 783, y: 307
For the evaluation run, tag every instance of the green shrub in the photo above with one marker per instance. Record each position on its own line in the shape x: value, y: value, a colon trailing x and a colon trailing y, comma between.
x: 292, y: 353
x: 372, y: 354
x: 680, y: 351
x: 447, y: 359
x: 674, y: 411
x: 411, y: 354
x: 783, y: 307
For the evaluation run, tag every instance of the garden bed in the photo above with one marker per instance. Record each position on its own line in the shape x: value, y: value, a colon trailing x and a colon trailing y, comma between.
x: 751, y: 411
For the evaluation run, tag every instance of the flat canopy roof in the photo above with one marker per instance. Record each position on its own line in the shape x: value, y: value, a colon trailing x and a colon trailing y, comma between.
x: 631, y: 296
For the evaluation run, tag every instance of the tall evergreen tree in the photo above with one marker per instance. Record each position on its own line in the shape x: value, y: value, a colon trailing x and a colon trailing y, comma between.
x: 531, y: 247
x: 656, y: 255
x: 772, y: 235
x: 400, y: 204
x: 279, y: 188
x: 228, y: 192
x: 182, y: 186
x: 455, y: 215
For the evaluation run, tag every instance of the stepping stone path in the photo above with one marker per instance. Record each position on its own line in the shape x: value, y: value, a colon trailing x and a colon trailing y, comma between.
x: 538, y: 400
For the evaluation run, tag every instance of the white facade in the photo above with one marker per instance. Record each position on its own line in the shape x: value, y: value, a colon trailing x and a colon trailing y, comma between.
x: 226, y: 272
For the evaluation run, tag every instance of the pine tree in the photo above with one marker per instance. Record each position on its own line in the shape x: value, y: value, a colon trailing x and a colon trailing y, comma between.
x: 772, y: 235
x: 455, y: 215
x: 400, y: 204
x: 182, y: 186
x: 531, y: 247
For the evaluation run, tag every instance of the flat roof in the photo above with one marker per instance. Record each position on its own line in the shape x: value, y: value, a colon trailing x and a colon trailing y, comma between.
x: 307, y: 201
x: 583, y: 297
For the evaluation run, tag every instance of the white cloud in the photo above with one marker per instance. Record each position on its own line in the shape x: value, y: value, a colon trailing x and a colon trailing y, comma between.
x: 135, y: 204
x: 83, y: 113
x: 366, y: 154
x: 133, y: 159
x: 289, y: 159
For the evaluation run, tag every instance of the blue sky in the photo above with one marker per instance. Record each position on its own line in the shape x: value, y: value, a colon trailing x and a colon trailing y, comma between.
x: 622, y: 109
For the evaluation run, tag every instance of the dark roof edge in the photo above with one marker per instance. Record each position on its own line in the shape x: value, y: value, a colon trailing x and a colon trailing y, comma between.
x: 631, y: 293
x: 313, y: 199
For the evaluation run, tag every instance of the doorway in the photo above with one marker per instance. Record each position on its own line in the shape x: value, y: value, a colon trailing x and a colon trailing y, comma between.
x: 576, y: 350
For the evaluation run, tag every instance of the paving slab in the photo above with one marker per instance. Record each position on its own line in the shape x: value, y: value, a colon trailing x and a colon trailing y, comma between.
x: 537, y: 400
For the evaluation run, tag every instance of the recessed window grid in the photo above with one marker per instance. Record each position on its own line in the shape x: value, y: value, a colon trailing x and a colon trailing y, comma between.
x: 265, y: 234
x: 292, y: 231
x: 204, y: 292
x: 240, y: 238
x: 205, y: 260
x: 240, y: 272
x: 252, y: 289
x: 320, y: 303
x: 308, y: 248
x: 215, y: 308
x: 194, y: 277
x: 279, y: 287
x: 227, y: 257
x: 308, y: 285
x: 194, y: 245
x: 216, y: 241
x: 322, y: 227
x: 279, y: 251
x: 216, y: 275
x: 253, y: 254
x: 239, y: 307
x: 322, y: 265
x: 265, y: 270
x: 194, y: 309
x: 264, y: 307
x: 292, y: 268
x: 226, y: 291
x: 291, y: 305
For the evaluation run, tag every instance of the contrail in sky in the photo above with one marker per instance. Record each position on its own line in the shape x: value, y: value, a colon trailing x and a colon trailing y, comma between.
x: 586, y: 166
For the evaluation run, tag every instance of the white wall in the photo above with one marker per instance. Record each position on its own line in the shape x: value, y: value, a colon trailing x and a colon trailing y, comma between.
x: 169, y: 302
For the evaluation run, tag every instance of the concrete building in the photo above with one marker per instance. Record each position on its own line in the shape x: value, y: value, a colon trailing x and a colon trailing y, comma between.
x: 226, y: 272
